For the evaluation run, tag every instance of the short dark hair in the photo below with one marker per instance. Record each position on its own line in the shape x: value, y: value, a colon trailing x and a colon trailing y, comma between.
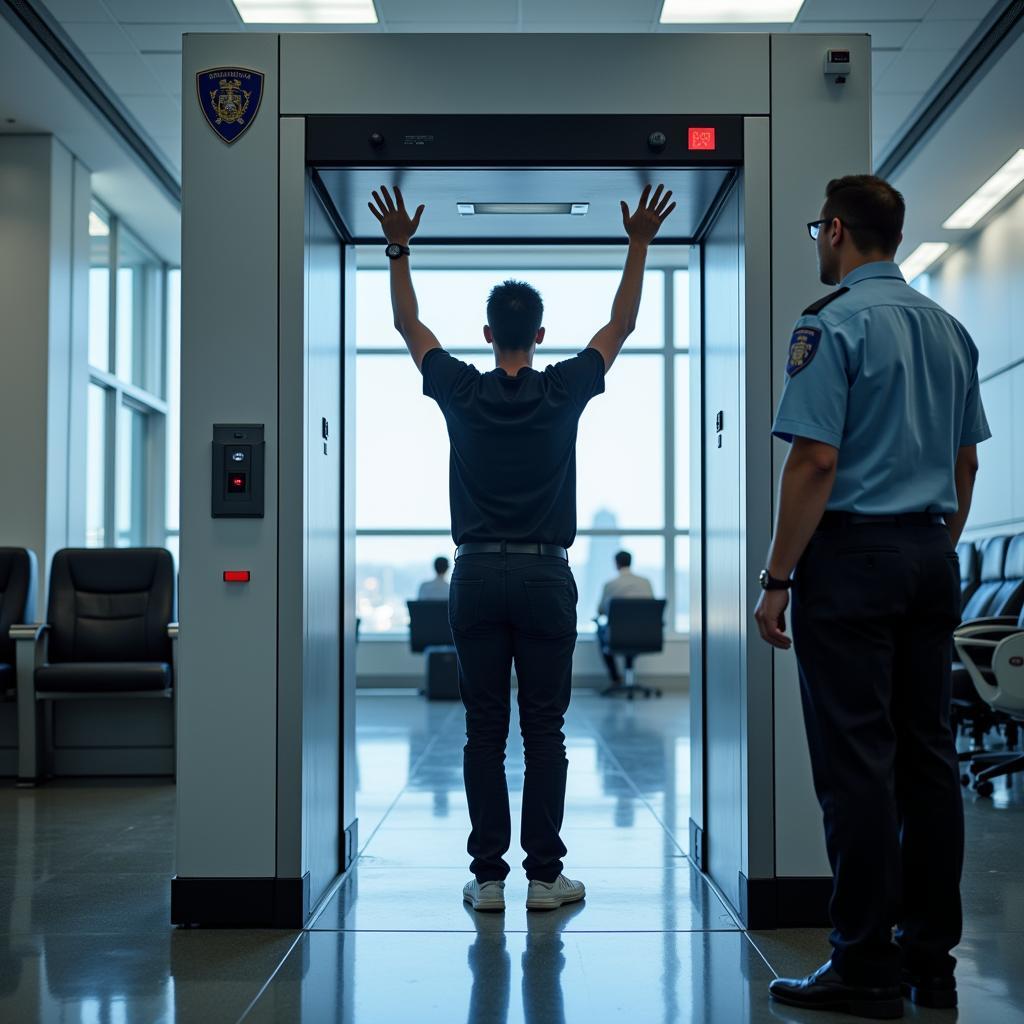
x: 441, y: 565
x: 623, y: 559
x: 870, y: 209
x: 514, y: 312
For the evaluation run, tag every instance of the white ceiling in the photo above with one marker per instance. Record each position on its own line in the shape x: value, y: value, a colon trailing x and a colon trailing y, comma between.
x: 135, y: 45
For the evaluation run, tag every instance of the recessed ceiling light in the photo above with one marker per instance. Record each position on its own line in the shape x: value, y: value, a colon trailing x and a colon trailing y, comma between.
x: 922, y: 258
x: 97, y: 226
x: 307, y: 12
x: 1001, y: 184
x: 569, y: 209
x: 681, y: 12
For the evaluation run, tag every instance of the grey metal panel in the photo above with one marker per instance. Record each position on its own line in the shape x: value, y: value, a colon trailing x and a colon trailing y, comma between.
x: 348, y: 436
x: 523, y: 74
x: 723, y: 525
x: 755, y: 497
x: 321, y: 669
x: 227, y: 692
x: 440, y: 190
x: 819, y: 131
x: 291, y: 568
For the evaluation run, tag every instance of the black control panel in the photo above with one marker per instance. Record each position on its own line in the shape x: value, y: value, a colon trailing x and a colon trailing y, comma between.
x: 238, y: 457
x: 521, y: 140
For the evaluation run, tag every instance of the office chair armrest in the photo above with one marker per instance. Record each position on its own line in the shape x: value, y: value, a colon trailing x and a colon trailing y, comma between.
x: 173, y: 630
x: 30, y: 652
x: 966, y: 628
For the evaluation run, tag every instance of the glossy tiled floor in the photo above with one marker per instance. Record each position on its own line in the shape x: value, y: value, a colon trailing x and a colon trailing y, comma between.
x: 84, y: 902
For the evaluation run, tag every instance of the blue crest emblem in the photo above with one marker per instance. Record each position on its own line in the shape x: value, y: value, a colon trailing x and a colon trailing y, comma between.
x: 230, y: 99
x: 802, y: 348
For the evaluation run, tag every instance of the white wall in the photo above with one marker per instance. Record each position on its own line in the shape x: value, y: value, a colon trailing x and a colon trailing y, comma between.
x: 982, y: 284
x: 386, y: 662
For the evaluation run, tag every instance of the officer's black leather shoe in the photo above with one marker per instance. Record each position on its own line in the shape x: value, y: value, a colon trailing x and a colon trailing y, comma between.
x: 935, y: 991
x: 825, y: 990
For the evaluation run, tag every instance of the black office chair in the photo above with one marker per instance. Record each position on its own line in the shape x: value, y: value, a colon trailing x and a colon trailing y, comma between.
x: 635, y: 626
x: 428, y: 625
x: 109, y: 633
x: 18, y: 574
x: 970, y: 569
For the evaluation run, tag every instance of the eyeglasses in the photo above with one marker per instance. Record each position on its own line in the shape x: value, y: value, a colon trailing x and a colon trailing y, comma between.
x: 814, y: 227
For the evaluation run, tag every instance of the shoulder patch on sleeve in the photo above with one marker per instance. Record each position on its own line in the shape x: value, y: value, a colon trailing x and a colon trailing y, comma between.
x: 802, y: 348
x: 816, y: 307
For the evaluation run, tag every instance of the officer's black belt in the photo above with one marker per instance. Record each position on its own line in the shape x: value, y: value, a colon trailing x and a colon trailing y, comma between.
x: 507, y: 547
x: 833, y: 519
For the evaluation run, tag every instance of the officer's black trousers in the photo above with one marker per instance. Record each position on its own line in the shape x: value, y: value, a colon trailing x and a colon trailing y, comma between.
x: 520, y: 608
x: 873, y: 611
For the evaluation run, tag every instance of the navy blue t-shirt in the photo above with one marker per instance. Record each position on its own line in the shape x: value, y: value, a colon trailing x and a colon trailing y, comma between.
x: 512, y: 473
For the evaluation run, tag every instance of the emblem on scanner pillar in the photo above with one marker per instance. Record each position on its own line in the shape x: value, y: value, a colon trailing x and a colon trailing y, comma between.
x: 229, y: 99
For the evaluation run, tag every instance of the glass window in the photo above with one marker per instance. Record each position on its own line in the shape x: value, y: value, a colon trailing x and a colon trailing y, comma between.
x: 389, y: 571
x: 682, y: 441
x: 99, y: 289
x: 131, y: 476
x: 593, y: 564
x: 453, y: 303
x: 682, y: 609
x: 402, y: 448
x: 96, y: 468
x: 620, y: 454
x: 138, y: 313
x: 681, y: 308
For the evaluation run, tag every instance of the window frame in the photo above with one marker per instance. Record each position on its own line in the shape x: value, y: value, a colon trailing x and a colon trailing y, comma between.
x: 669, y: 532
x: 149, y: 400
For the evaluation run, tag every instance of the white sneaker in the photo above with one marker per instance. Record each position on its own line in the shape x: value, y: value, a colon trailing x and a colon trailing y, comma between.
x: 484, y: 895
x: 552, y: 895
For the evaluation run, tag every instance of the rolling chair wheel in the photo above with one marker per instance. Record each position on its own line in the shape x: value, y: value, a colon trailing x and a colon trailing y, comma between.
x: 984, y: 788
x: 965, y: 779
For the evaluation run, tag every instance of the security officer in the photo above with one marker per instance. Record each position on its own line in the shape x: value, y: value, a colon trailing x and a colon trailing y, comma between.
x: 881, y: 405
x: 512, y: 488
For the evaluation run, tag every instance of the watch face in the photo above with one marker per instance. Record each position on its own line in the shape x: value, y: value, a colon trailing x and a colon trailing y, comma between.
x: 394, y: 250
x: 763, y: 579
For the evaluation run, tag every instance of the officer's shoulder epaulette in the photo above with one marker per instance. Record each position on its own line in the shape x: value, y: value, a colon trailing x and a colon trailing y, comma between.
x: 816, y: 307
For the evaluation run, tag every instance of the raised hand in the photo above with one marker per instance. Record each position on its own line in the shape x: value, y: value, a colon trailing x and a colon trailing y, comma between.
x: 394, y: 219
x: 643, y: 225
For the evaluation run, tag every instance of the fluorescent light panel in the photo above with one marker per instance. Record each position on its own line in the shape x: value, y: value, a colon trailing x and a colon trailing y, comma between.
x: 922, y: 258
x: 682, y: 12
x: 569, y: 209
x: 1000, y: 185
x: 307, y: 12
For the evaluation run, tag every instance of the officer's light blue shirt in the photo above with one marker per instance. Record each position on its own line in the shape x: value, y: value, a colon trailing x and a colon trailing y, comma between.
x: 890, y: 379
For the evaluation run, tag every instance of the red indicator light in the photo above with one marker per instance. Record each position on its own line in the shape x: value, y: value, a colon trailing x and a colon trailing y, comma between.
x: 701, y: 138
x: 236, y: 575
x: 236, y: 483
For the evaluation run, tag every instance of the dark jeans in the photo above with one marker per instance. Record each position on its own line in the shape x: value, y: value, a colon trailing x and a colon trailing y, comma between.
x: 874, y: 608
x: 520, y: 608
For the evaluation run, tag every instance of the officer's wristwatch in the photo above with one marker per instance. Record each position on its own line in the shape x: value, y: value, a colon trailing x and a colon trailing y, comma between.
x: 394, y: 251
x: 769, y: 582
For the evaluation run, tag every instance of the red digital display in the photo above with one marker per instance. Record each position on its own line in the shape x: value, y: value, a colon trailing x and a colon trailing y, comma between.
x: 236, y: 575
x: 236, y: 483
x: 701, y: 138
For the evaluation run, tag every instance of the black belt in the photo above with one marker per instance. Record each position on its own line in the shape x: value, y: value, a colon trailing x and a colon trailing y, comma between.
x: 503, y: 547
x: 901, y: 519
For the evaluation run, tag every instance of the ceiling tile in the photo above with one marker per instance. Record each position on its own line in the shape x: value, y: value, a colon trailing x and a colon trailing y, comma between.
x: 883, y: 34
x: 914, y: 71
x: 941, y: 35
x: 125, y: 73
x: 158, y: 115
x: 168, y: 36
x: 161, y: 11
x: 867, y: 10
x: 589, y: 15
x: 881, y: 61
x: 166, y: 68
x: 889, y: 112
x: 447, y: 12
x: 78, y: 10
x: 957, y: 9
x: 98, y: 37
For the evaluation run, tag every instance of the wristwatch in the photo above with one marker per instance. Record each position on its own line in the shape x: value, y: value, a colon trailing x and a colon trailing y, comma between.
x: 394, y: 251
x: 769, y: 582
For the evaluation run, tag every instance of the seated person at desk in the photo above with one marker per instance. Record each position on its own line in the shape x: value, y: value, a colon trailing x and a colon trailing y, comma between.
x: 437, y: 588
x: 626, y: 584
